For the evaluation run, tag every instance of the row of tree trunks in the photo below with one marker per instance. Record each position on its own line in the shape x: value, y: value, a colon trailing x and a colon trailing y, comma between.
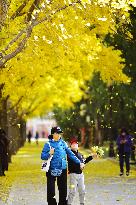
x: 16, y: 131
x: 91, y: 135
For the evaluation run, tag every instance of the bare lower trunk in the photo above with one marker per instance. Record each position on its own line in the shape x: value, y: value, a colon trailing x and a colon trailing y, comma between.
x: 98, y: 134
x: 86, y: 137
x: 3, y: 110
x: 82, y: 130
x: 22, y: 132
x: 15, y: 131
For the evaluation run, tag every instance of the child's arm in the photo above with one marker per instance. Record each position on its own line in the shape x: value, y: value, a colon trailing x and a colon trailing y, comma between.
x: 88, y: 159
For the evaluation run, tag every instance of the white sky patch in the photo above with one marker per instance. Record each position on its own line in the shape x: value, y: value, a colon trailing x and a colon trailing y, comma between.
x: 88, y: 24
x: 33, y: 17
x: 60, y: 39
x: 47, y: 1
x: 36, y: 38
x: 63, y: 30
x: 70, y: 36
x: 44, y: 38
x: 123, y: 17
x: 102, y: 19
x: 64, y: 36
x: 43, y: 5
x: 49, y: 41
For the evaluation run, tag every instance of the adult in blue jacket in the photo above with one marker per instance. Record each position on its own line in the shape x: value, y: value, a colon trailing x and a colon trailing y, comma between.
x: 58, y: 166
x: 124, y: 143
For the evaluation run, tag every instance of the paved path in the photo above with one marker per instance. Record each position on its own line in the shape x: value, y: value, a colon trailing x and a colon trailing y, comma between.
x: 103, y: 186
x: 100, y: 191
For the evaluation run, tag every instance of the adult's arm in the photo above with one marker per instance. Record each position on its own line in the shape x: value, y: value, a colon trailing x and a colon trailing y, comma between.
x: 129, y: 140
x: 71, y: 155
x: 118, y: 141
x: 45, y: 152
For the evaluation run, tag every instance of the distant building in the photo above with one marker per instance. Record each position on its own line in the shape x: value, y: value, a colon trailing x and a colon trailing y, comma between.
x: 42, y: 125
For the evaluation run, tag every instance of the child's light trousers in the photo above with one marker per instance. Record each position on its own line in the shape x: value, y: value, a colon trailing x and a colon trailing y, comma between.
x: 76, y: 182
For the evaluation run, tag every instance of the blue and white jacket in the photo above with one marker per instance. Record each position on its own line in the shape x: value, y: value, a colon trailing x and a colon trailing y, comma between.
x: 59, y: 160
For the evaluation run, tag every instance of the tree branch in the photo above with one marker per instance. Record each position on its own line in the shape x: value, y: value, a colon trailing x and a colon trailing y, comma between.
x: 27, y: 112
x: 28, y: 32
x: 34, y: 5
x: 14, y: 40
x: 16, y: 104
x: 20, y: 47
x: 31, y: 110
x: 54, y: 12
x: 18, y: 11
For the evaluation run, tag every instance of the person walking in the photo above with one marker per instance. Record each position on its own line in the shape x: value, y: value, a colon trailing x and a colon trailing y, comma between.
x: 37, y: 137
x: 3, y: 152
x: 124, y: 143
x: 29, y: 136
x: 76, y: 176
x: 58, y: 166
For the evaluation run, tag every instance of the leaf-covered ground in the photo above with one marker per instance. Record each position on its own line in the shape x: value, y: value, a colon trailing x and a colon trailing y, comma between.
x: 25, y: 184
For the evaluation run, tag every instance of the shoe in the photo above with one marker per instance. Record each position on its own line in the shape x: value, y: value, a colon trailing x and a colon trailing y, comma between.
x: 127, y: 173
x: 2, y: 175
x: 121, y: 173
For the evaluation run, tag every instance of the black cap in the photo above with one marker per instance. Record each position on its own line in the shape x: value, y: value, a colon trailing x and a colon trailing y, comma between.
x: 56, y: 130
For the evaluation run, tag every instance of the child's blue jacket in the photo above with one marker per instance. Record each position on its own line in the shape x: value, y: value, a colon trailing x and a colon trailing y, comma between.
x: 59, y: 160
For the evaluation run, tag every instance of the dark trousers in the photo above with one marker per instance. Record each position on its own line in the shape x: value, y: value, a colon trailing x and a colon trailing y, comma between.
x: 1, y: 166
x: 124, y: 158
x: 1, y: 170
x: 62, y: 187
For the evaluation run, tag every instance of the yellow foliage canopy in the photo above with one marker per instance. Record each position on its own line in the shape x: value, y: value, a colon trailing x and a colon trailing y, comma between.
x: 54, y: 47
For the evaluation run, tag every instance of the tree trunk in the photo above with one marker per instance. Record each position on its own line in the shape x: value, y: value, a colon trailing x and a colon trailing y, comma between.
x: 8, y: 122
x: 87, y: 137
x: 3, y: 110
x: 23, y: 132
x: 98, y: 134
x: 82, y: 130
x: 111, y: 137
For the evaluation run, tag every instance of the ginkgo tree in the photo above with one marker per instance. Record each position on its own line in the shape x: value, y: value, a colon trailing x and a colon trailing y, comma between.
x: 50, y: 48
